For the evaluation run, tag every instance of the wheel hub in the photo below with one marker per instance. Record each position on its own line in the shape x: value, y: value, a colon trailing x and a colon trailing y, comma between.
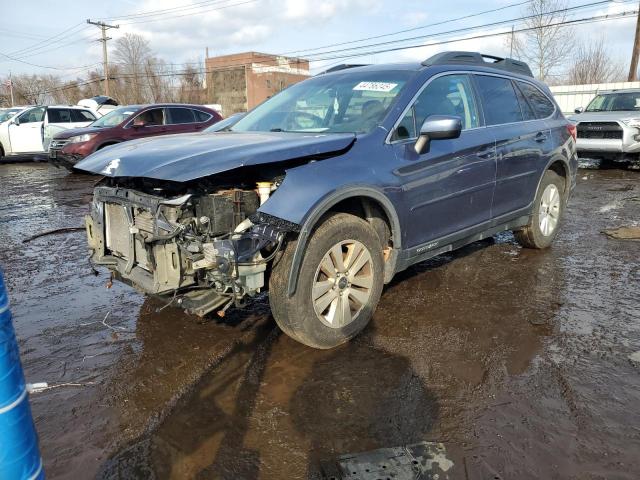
x: 343, y: 283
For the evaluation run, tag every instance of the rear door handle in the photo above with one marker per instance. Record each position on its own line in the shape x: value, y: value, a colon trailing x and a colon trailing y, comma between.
x: 541, y: 137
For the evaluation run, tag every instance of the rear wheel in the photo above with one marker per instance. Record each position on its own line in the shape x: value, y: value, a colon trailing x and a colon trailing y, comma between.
x: 547, y: 212
x: 339, y: 283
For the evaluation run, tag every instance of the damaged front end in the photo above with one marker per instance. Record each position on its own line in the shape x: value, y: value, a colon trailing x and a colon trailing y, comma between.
x: 204, y: 250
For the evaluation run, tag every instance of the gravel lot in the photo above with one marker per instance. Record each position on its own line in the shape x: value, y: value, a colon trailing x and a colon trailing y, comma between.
x: 524, y: 364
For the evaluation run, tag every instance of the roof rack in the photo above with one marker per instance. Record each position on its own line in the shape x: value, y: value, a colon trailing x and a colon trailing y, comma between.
x: 480, y: 59
x: 343, y: 66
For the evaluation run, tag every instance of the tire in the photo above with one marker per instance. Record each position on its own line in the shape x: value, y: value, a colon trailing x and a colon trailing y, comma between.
x: 548, y: 209
x: 301, y: 316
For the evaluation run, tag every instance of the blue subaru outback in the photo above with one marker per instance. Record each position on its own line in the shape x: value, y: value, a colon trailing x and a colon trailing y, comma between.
x: 325, y: 191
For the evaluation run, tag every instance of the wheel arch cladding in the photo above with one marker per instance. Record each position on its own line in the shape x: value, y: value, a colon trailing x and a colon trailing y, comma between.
x: 367, y: 197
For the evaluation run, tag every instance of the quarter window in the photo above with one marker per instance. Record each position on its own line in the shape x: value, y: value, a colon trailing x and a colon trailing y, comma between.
x: 446, y: 95
x: 541, y: 104
x: 499, y: 100
x: 527, y: 111
x: 201, y: 116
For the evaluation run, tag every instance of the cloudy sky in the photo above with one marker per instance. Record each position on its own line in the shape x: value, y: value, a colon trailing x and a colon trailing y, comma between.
x: 44, y: 36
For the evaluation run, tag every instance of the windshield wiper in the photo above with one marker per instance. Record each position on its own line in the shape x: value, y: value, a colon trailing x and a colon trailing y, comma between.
x: 277, y: 130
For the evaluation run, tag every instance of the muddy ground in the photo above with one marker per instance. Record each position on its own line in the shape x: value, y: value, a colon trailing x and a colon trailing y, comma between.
x: 520, y: 362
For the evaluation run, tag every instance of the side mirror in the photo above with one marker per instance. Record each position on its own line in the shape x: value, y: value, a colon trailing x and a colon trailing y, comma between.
x: 16, y: 122
x: 579, y: 110
x: 437, y: 127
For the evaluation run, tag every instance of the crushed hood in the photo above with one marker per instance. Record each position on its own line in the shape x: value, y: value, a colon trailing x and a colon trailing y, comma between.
x: 190, y: 156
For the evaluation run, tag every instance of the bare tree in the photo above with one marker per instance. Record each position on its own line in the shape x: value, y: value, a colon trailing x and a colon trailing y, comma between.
x: 131, y: 53
x: 545, y: 45
x: 593, y: 64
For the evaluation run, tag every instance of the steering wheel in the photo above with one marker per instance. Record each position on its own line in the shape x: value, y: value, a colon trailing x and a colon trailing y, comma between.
x: 297, y: 120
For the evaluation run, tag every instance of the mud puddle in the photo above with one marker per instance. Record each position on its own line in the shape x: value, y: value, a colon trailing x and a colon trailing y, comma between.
x: 520, y: 362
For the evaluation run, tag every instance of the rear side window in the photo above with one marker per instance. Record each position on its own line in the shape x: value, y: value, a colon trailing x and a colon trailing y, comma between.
x: 542, y: 106
x: 180, y: 115
x: 59, y: 115
x: 201, y: 116
x: 82, y: 116
x: 499, y: 100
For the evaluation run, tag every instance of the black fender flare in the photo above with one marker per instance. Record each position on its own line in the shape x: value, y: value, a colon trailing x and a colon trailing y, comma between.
x: 325, y: 205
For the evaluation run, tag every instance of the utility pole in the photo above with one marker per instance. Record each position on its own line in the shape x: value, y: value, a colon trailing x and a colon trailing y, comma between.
x: 633, y: 69
x: 105, y: 62
x: 11, y: 89
x: 513, y: 31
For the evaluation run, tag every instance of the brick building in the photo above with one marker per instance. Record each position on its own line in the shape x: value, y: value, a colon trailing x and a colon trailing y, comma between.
x: 241, y: 81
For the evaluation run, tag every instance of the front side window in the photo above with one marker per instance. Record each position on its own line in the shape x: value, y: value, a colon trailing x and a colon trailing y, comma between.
x: 150, y: 118
x: 33, y: 115
x: 350, y: 101
x: 499, y: 100
x: 446, y: 95
x: 542, y: 106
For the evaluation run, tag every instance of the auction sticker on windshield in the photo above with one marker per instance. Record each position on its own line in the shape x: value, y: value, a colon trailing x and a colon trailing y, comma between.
x: 375, y: 86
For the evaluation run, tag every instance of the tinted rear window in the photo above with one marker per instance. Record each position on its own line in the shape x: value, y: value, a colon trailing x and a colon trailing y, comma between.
x: 180, y: 115
x: 499, y: 100
x: 542, y: 106
x: 59, y: 115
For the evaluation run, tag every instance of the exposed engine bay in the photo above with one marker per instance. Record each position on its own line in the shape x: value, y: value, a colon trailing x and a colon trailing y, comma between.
x: 206, y: 249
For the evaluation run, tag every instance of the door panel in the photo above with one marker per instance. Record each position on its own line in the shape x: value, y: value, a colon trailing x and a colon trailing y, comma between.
x: 27, y: 137
x: 521, y: 152
x: 448, y: 189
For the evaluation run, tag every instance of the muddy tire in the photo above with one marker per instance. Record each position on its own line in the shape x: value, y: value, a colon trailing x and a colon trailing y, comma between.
x: 548, y: 209
x: 339, y: 284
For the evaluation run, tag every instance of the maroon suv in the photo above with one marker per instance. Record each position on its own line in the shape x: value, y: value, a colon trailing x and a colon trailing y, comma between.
x: 128, y: 123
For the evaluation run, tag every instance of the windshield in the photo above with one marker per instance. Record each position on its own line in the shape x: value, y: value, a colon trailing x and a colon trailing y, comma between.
x: 115, y: 117
x: 348, y: 102
x: 615, y: 102
x: 8, y: 113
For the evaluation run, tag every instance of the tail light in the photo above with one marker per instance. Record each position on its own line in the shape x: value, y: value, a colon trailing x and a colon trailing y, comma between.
x: 573, y: 130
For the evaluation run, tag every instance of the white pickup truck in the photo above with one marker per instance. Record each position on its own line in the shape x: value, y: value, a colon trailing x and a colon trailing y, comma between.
x: 29, y: 133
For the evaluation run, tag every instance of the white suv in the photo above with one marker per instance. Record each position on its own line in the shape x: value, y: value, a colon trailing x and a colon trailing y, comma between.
x: 30, y: 132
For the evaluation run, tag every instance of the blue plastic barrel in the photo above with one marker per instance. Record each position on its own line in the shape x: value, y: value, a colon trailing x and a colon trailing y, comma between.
x: 19, y: 453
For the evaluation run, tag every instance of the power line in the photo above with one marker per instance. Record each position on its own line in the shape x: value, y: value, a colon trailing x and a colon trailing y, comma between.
x: 566, y: 23
x: 172, y: 17
x: 165, y: 11
x: 390, y: 34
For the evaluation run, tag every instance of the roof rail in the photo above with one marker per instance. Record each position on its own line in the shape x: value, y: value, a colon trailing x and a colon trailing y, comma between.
x: 343, y: 66
x: 480, y: 59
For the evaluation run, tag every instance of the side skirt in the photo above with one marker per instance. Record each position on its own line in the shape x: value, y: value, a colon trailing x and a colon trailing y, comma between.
x: 436, y: 247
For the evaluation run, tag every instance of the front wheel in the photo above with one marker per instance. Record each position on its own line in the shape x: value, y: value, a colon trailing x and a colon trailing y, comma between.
x: 339, y: 284
x: 548, y: 209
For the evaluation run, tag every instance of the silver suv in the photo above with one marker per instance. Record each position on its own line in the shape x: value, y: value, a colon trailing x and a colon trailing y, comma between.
x: 609, y: 128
